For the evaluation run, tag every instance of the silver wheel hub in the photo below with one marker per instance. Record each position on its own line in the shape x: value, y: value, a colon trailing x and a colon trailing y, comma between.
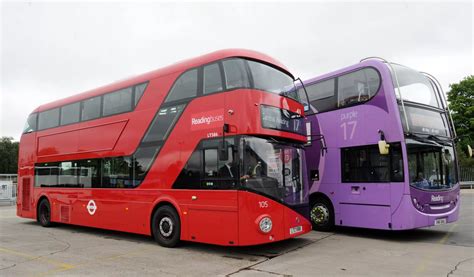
x: 166, y: 227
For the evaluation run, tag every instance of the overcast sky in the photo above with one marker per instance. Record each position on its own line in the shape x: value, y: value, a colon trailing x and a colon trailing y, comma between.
x: 52, y: 50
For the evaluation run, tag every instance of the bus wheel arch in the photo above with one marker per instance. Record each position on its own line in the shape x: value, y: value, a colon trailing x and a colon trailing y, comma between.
x: 165, y: 224
x: 321, y: 212
x: 44, y: 212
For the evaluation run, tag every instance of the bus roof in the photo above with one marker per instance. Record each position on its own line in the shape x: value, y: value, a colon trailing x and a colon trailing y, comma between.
x: 177, y: 67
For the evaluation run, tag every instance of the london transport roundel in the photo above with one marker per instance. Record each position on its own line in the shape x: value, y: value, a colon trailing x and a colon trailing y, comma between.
x: 91, y: 207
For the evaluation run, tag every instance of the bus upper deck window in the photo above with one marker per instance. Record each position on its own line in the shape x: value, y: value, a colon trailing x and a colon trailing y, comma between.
x: 235, y: 74
x: 358, y: 86
x: 212, y: 80
x: 185, y: 87
x: 30, y: 124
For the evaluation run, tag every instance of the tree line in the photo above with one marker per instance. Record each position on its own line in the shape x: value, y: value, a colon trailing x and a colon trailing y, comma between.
x: 461, y: 104
x: 8, y: 155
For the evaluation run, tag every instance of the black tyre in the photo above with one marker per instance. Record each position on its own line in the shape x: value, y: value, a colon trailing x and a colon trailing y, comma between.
x: 322, y: 215
x: 166, y: 227
x: 44, y: 213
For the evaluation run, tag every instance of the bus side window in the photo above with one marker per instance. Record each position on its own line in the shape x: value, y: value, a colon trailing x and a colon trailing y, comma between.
x: 70, y: 113
x: 139, y: 89
x: 30, y: 125
x: 210, y: 169
x: 185, y: 87
x: 68, y: 175
x: 116, y: 172
x: 322, y: 96
x: 356, y: 87
x: 116, y: 102
x: 364, y: 164
x: 190, y: 176
x: 90, y: 108
x: 142, y: 161
x: 89, y: 173
x: 48, y: 119
x: 212, y: 81
x: 46, y: 174
x: 396, y: 163
x: 204, y: 170
x: 236, y: 75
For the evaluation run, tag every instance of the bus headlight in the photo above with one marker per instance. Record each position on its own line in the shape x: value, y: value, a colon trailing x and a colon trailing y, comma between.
x: 265, y: 224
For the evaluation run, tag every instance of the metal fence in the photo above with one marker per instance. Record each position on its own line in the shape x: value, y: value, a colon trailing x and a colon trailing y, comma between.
x: 8, y: 188
x: 467, y: 177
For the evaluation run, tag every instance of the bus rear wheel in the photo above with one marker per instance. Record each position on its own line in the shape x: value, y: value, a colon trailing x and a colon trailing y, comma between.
x: 44, y: 213
x: 166, y: 227
x: 322, y: 215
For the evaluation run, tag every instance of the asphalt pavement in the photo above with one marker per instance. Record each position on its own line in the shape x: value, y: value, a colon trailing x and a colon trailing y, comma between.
x: 26, y: 249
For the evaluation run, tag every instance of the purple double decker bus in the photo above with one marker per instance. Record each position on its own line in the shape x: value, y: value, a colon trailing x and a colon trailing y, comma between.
x: 386, y: 157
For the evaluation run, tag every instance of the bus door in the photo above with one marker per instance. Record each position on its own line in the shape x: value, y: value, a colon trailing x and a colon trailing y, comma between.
x: 212, y: 209
x: 365, y: 195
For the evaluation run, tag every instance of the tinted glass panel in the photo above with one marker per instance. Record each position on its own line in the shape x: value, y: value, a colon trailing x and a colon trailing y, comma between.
x: 68, y: 174
x: 190, y: 176
x: 91, y: 108
x: 89, y: 173
x: 160, y: 126
x: 235, y: 74
x: 358, y: 86
x: 70, y: 113
x: 414, y: 86
x: 48, y: 119
x: 142, y: 161
x: 322, y: 96
x: 184, y: 87
x: 47, y: 175
x: 204, y: 170
x: 270, y: 79
x: 116, y: 173
x: 30, y: 125
x: 365, y: 164
x: 396, y: 163
x: 117, y: 102
x: 139, y: 89
x: 210, y: 163
x: 212, y: 78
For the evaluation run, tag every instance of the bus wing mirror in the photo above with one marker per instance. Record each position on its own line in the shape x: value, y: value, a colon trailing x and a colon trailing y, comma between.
x: 469, y: 151
x: 223, y: 151
x: 383, y: 147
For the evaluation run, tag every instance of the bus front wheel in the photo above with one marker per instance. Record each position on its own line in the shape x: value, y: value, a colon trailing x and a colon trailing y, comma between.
x: 44, y: 213
x: 166, y: 226
x: 322, y: 215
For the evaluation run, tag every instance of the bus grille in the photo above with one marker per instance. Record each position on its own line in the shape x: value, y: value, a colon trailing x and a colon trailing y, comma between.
x: 65, y: 213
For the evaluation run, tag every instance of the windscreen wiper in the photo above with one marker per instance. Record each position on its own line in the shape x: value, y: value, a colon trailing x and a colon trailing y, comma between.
x: 418, y: 138
x: 438, y: 140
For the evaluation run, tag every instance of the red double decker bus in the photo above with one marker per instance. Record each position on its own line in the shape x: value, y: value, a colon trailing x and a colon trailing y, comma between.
x: 206, y: 150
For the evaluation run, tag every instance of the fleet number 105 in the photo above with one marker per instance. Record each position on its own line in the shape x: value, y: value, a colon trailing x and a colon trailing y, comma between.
x: 263, y: 204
